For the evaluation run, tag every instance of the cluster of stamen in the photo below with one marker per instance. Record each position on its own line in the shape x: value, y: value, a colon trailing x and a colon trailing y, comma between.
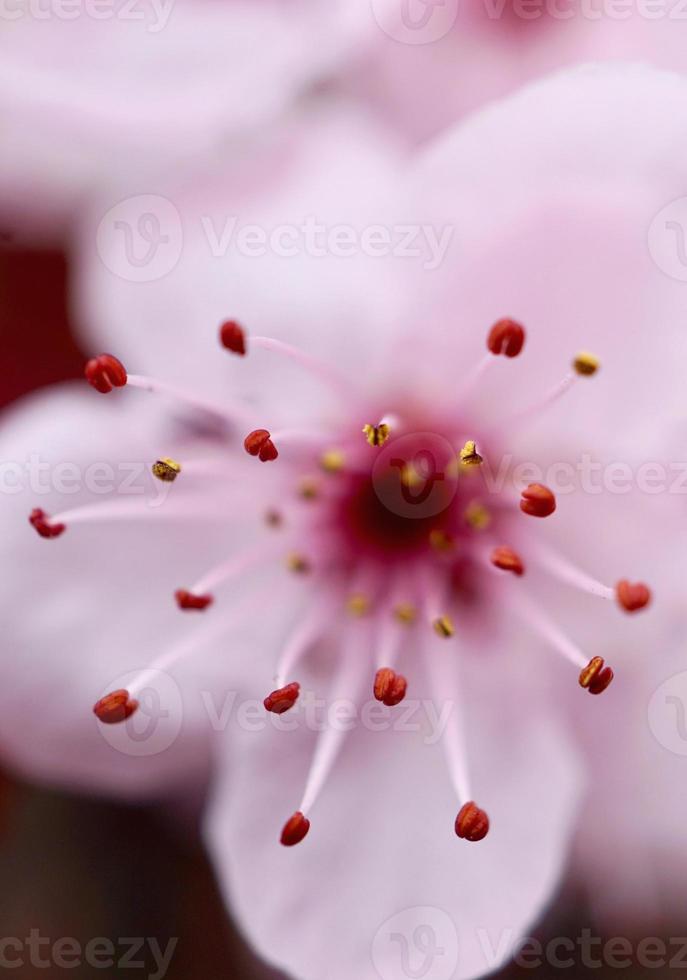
x: 444, y: 545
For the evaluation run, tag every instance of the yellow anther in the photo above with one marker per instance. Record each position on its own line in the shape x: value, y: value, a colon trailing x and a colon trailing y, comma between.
x: 358, y: 604
x: 410, y: 477
x: 443, y: 626
x: 376, y: 435
x: 333, y: 460
x: 308, y: 488
x: 477, y: 516
x: 441, y: 540
x: 297, y: 563
x: 166, y: 469
x: 469, y: 455
x: 406, y: 613
x: 586, y: 364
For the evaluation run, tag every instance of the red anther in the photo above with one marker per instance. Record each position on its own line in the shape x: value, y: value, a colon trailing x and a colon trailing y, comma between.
x: 105, y: 373
x: 41, y: 522
x: 537, y: 501
x: 115, y: 707
x: 595, y: 677
x: 507, y: 560
x: 472, y: 823
x: 506, y: 337
x: 187, y: 600
x: 282, y: 699
x: 233, y: 337
x: 389, y: 688
x: 258, y: 443
x: 632, y: 596
x: 295, y: 830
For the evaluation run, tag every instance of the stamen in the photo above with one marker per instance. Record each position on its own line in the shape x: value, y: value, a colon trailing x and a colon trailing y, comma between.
x: 333, y: 461
x: 472, y: 824
x: 376, y: 435
x: 506, y: 337
x: 537, y: 501
x: 346, y: 685
x: 259, y: 443
x: 273, y: 518
x: 442, y: 541
x: 389, y: 688
x: 46, y: 526
x: 633, y: 597
x: 443, y: 627
x: 187, y: 600
x: 319, y: 369
x: 234, y: 413
x: 358, y: 605
x: 234, y: 567
x: 298, y: 563
x: 477, y: 516
x: 301, y: 640
x: 232, y: 336
x: 295, y: 829
x: 104, y: 373
x: 596, y: 677
x: 308, y: 488
x: 586, y: 364
x: 115, y: 707
x: 507, y: 560
x: 166, y: 469
x: 469, y: 455
x: 405, y: 613
x: 550, y: 632
x: 565, y: 571
x: 283, y: 699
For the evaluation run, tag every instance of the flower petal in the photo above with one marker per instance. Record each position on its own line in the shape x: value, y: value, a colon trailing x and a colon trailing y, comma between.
x: 381, y: 857
x: 85, y: 612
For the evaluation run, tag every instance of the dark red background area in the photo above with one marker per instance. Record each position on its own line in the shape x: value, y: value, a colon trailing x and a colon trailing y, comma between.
x: 75, y: 867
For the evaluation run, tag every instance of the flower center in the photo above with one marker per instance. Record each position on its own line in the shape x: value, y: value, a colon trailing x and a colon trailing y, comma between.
x: 401, y: 530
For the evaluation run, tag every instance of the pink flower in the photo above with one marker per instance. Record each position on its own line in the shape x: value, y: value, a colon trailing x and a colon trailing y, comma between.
x: 96, y: 101
x: 340, y: 413
x: 434, y: 62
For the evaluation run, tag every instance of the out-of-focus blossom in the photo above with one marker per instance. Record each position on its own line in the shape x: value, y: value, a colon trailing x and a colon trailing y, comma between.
x: 432, y: 62
x: 354, y: 573
x: 103, y: 96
